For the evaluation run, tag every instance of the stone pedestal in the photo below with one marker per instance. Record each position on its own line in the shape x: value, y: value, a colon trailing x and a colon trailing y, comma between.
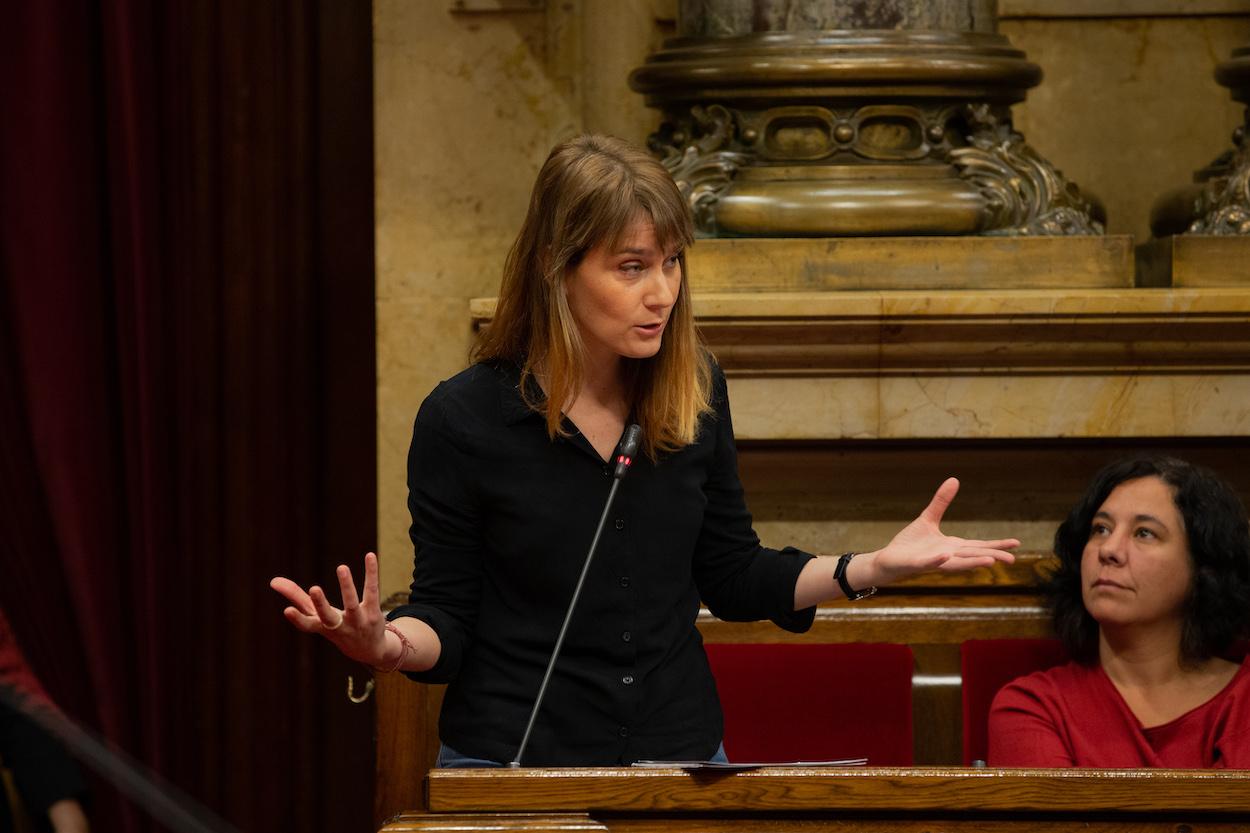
x: 1195, y: 260
x: 982, y: 365
x: 811, y: 359
x: 917, y: 263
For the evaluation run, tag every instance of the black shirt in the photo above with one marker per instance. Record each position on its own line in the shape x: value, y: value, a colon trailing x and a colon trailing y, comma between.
x: 502, y: 517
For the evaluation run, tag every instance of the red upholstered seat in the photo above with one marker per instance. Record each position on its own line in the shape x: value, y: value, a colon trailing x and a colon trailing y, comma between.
x: 988, y: 665
x: 815, y: 702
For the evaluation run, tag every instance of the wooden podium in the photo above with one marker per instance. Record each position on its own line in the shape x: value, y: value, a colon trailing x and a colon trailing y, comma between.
x: 845, y: 800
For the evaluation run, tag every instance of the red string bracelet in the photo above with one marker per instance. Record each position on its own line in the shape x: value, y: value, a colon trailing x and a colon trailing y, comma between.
x: 404, y: 647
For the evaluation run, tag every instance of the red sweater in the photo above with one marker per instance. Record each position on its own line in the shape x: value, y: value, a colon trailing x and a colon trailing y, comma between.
x: 14, y: 672
x: 1072, y: 715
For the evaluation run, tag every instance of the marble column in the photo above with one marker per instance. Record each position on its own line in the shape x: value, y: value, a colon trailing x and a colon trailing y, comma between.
x: 790, y: 118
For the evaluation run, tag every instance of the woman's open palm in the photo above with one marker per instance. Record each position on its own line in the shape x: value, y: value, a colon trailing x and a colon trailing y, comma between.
x: 358, y: 629
x: 921, y: 546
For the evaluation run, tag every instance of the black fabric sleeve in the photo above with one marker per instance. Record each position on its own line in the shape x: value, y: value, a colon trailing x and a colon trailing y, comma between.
x: 42, y: 770
x: 738, y: 579
x: 445, y: 532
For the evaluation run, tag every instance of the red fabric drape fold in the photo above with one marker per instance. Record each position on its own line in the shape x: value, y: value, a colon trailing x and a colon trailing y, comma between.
x: 165, y: 389
x: 59, y: 296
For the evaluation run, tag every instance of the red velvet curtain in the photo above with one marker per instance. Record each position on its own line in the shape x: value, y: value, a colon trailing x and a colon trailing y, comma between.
x: 186, y: 384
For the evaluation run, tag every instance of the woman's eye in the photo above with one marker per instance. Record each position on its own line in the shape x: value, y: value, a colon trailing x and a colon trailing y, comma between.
x: 1098, y: 529
x: 673, y: 261
x: 633, y: 267
x: 1142, y: 532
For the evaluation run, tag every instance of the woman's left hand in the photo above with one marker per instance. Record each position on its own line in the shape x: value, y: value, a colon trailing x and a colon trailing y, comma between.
x: 921, y: 546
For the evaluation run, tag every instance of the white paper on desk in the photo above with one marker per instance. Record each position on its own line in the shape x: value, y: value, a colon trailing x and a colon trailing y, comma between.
x: 721, y: 765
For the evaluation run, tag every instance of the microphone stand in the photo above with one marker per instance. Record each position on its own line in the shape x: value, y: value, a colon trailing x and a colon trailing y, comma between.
x: 629, y: 447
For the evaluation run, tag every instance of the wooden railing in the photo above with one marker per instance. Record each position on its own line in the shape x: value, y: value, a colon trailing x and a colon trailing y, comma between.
x: 814, y: 800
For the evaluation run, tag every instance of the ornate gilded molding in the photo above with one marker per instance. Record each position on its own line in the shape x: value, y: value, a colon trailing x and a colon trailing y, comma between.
x: 1024, y: 193
x: 695, y: 154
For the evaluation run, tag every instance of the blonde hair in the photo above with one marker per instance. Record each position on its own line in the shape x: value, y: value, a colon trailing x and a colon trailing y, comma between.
x: 589, y: 191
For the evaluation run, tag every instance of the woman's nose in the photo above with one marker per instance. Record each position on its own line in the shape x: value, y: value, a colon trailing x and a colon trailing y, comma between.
x: 662, y: 294
x: 1111, y: 549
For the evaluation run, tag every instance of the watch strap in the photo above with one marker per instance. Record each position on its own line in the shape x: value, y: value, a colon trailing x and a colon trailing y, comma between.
x: 839, y: 574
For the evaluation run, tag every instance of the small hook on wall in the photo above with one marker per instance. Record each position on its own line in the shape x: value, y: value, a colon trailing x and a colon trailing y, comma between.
x: 351, y: 690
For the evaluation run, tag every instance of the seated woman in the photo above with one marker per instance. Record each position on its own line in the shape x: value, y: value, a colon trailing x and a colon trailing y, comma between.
x: 1152, y: 592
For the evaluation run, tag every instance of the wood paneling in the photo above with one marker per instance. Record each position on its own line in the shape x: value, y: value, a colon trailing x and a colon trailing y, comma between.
x: 407, y: 742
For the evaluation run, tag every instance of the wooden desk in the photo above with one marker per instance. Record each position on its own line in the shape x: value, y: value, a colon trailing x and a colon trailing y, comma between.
x: 932, y: 614
x: 814, y: 800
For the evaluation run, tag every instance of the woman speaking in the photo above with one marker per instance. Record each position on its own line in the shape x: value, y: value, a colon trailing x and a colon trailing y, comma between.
x: 509, y: 468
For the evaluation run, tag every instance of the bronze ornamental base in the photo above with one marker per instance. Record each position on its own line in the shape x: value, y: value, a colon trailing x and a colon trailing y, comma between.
x: 838, y: 133
x: 832, y: 201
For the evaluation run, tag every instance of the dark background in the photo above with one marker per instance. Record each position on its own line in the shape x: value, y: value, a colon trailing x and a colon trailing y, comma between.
x: 187, y: 385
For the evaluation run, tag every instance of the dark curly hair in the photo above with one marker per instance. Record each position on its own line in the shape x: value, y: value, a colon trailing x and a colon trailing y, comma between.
x: 1217, y: 609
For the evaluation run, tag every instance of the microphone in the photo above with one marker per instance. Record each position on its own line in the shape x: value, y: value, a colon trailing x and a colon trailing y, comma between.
x: 624, y: 459
x: 629, y: 447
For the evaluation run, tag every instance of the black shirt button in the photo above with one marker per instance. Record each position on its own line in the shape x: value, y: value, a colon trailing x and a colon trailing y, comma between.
x: 624, y: 581
x: 627, y: 679
x: 620, y: 524
x: 627, y: 636
x: 624, y: 732
x: 607, y: 470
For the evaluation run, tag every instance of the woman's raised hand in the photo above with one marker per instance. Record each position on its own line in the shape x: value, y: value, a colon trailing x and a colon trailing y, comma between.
x: 921, y: 546
x: 358, y: 629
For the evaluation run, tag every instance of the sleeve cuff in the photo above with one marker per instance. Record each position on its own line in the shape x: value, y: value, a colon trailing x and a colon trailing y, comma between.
x: 795, y: 621
x: 448, y: 663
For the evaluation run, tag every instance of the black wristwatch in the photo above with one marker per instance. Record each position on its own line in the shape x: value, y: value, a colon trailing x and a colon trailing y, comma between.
x: 839, y: 574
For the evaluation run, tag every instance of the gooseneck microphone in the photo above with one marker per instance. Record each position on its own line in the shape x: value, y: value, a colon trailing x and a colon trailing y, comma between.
x: 624, y: 458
